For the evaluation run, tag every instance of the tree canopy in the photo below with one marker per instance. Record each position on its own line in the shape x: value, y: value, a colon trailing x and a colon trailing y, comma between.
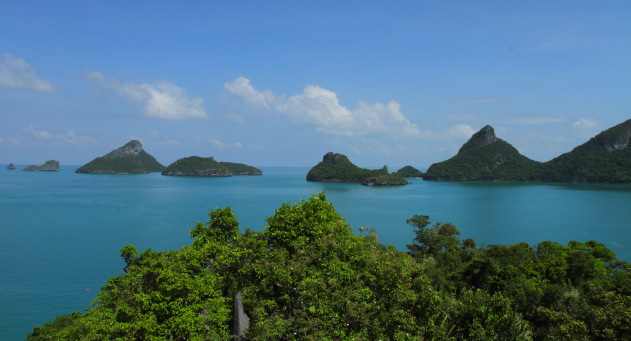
x: 307, y: 276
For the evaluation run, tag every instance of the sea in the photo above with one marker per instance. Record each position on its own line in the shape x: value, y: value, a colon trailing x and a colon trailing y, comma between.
x: 61, y: 232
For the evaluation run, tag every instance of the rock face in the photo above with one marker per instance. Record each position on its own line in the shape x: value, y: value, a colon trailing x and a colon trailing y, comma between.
x: 605, y: 158
x: 10, y: 167
x: 128, y: 159
x: 48, y: 166
x: 338, y: 168
x: 208, y: 167
x: 485, y: 157
x: 240, y: 320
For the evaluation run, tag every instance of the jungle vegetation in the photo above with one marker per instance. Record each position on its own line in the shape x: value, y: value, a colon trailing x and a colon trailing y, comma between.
x: 308, y: 276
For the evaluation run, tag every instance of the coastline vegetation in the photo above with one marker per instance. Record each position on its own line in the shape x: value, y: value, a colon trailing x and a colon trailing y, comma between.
x: 307, y: 276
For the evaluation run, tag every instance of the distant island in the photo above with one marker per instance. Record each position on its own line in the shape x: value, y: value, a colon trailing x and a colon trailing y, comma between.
x: 128, y: 159
x: 338, y: 168
x: 410, y: 172
x: 48, y: 166
x: 605, y: 158
x: 10, y: 167
x: 208, y: 167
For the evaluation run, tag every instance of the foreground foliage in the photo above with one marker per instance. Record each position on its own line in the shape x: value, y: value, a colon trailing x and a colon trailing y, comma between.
x: 308, y: 276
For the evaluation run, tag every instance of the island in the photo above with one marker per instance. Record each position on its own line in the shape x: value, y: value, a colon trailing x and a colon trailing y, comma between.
x: 485, y: 158
x: 605, y: 158
x: 11, y: 167
x: 410, y: 172
x: 48, y: 166
x: 128, y: 159
x: 208, y: 167
x: 338, y: 168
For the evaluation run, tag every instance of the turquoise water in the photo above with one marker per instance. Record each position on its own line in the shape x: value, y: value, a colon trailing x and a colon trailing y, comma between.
x: 61, y: 232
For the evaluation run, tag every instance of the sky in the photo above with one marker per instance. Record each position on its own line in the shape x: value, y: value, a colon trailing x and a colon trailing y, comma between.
x: 281, y: 83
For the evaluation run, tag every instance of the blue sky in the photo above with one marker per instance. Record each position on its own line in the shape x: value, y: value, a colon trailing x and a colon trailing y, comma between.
x: 280, y: 83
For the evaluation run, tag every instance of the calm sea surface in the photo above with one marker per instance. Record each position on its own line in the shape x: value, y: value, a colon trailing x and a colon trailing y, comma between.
x: 61, y: 232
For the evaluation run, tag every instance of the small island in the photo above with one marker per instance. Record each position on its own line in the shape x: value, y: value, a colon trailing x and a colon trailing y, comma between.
x: 11, y: 167
x: 338, y: 168
x: 128, y: 159
x: 410, y: 172
x: 207, y: 167
x: 48, y: 166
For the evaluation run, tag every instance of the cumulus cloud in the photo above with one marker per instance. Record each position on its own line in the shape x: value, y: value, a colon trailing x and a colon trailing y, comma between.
x: 17, y: 73
x: 320, y: 108
x: 161, y: 99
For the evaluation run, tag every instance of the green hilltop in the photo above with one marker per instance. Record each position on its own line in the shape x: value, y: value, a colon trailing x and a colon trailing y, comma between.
x: 208, y: 167
x: 128, y: 159
x: 338, y: 168
x: 605, y: 158
x: 485, y: 157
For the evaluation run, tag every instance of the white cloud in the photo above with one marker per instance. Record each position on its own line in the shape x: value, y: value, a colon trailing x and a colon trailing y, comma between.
x: 225, y: 145
x: 585, y: 123
x: 161, y: 99
x: 320, y: 108
x: 17, y: 73
x: 68, y: 137
x: 585, y: 127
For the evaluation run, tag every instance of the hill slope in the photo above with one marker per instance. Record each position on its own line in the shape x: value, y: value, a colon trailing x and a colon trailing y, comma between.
x: 605, y: 158
x: 485, y: 157
x: 128, y: 159
x: 338, y: 168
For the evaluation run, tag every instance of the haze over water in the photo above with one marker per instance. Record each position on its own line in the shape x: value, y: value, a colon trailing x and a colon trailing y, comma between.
x: 62, y: 232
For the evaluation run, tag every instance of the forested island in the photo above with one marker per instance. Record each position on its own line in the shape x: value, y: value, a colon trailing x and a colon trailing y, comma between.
x: 208, y: 167
x: 128, y: 159
x: 605, y: 158
x: 48, y: 166
x: 338, y: 168
x: 307, y: 276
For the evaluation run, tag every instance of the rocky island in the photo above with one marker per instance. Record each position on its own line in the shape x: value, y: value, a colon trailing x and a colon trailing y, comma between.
x: 128, y: 159
x: 208, y: 167
x: 48, y: 166
x: 11, y: 167
x: 485, y: 158
x: 338, y: 168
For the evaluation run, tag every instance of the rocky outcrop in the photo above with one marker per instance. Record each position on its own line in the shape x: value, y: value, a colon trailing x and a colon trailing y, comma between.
x: 128, y: 159
x: 338, y: 168
x: 10, y: 167
x: 240, y: 320
x: 48, y: 166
